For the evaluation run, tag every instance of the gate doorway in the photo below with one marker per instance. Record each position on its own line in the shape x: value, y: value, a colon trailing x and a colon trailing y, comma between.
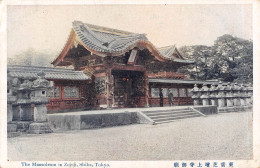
x: 129, y: 88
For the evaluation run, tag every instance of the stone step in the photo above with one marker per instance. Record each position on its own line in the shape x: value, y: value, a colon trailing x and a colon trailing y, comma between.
x: 171, y: 119
x: 170, y: 113
x: 173, y: 116
x: 171, y: 110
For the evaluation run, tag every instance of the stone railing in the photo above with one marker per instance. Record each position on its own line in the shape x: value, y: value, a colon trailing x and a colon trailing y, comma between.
x: 227, y: 96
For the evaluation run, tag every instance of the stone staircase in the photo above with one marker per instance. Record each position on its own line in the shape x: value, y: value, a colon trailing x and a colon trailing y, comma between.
x: 170, y: 115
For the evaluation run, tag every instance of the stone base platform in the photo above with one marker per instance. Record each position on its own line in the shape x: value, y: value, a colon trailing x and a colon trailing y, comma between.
x: 21, y: 126
x: 108, y: 118
x: 39, y: 128
x: 13, y: 134
x: 207, y: 110
x: 234, y: 109
x: 16, y: 128
x: 90, y: 119
x: 11, y: 127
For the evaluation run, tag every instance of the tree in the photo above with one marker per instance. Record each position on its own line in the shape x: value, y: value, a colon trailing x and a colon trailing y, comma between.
x: 30, y: 57
x: 236, y: 57
x: 201, y: 55
x: 229, y: 59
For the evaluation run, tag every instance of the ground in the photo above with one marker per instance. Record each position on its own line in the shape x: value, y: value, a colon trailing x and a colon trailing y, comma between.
x: 225, y: 136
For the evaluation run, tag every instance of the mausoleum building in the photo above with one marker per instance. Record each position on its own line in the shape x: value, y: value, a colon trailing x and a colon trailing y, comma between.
x: 112, y: 69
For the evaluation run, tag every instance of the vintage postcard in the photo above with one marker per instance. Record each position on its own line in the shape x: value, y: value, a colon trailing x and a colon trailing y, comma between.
x: 107, y: 84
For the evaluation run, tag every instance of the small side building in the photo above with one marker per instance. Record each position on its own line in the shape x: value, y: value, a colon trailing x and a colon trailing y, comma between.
x: 70, y: 86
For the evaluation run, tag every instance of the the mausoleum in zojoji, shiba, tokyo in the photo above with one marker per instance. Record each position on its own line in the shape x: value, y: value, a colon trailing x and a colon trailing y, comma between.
x: 112, y: 69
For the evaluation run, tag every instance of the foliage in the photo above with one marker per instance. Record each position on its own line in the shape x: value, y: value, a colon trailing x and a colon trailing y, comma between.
x: 30, y: 58
x: 229, y: 59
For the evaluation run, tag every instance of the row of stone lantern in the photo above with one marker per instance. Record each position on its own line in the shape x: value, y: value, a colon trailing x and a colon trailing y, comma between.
x: 223, y: 95
x: 20, y: 98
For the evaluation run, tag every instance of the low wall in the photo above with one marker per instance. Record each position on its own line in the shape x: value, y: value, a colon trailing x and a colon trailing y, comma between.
x: 64, y: 122
x: 234, y: 109
x: 107, y: 120
x: 155, y: 102
x: 207, y: 109
x: 87, y: 121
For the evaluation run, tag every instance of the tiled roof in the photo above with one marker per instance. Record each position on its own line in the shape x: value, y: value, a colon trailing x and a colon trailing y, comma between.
x: 116, y: 42
x: 187, y: 61
x: 168, y: 51
x: 157, y: 80
x: 105, y: 41
x: 30, y: 72
x: 107, y: 30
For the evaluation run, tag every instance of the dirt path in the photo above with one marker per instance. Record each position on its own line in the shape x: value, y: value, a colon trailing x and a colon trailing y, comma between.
x: 221, y: 136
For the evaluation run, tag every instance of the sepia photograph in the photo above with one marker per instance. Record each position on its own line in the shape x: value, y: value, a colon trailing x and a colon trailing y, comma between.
x: 90, y: 84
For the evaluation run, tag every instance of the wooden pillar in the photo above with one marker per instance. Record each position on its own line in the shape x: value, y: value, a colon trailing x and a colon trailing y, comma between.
x: 109, y: 88
x: 109, y: 82
x: 146, y: 85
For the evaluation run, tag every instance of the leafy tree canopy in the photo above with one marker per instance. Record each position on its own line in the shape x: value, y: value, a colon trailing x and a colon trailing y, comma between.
x: 30, y: 58
x: 230, y: 59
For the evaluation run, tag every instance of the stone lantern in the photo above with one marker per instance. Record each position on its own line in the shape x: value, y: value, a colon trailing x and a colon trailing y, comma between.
x: 229, y: 95
x: 243, y: 95
x: 236, y: 95
x: 196, y: 95
x: 12, y: 93
x: 213, y: 95
x: 40, y: 100
x: 24, y: 101
x: 249, y: 99
x: 205, y: 95
x: 11, y: 98
x: 221, y: 95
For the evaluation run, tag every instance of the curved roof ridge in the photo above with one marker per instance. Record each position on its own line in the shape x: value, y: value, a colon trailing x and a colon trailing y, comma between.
x: 167, y: 52
x: 106, y: 29
x: 82, y: 31
x: 98, y: 41
x: 30, y: 72
x: 37, y: 68
x: 166, y: 47
x: 127, y: 37
x: 32, y: 66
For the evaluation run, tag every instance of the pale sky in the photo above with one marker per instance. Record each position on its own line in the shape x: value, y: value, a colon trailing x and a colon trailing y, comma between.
x: 46, y: 28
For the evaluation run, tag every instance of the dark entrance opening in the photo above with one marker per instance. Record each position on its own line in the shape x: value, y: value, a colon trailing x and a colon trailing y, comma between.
x: 129, y: 88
